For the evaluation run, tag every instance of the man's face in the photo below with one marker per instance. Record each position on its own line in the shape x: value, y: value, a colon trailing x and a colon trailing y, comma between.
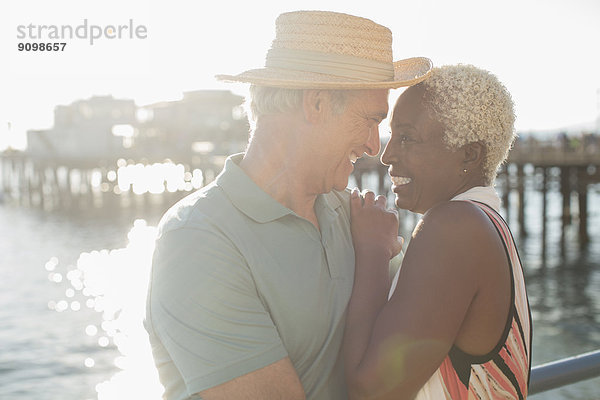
x: 347, y: 136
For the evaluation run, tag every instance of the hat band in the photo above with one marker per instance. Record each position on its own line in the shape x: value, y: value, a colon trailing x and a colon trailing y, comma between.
x: 330, y: 64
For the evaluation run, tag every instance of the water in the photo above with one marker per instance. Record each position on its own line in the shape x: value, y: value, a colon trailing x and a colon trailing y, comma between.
x: 72, y: 288
x: 74, y: 335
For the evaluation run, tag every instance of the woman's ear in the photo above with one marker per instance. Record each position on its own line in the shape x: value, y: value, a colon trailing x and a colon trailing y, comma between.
x: 473, y: 155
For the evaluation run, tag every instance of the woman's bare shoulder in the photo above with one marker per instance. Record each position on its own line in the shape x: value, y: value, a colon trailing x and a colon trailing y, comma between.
x: 453, y: 217
x: 460, y: 231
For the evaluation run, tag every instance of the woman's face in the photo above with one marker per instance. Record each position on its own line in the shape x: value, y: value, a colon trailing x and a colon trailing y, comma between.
x: 424, y: 171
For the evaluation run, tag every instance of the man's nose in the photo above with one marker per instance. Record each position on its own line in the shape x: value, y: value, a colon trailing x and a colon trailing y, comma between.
x: 373, y: 143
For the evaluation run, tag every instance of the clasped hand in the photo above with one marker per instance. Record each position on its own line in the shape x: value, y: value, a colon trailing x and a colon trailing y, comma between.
x: 374, y: 227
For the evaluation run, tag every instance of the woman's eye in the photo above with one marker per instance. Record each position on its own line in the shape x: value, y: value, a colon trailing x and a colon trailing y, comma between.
x: 403, y: 136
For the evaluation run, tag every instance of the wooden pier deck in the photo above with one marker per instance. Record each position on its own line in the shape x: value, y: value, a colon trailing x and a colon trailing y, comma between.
x: 52, y: 183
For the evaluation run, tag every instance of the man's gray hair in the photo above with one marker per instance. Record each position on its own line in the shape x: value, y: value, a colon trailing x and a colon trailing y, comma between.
x: 264, y: 100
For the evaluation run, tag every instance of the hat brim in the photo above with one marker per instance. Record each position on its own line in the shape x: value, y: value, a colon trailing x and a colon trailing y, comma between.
x: 407, y: 72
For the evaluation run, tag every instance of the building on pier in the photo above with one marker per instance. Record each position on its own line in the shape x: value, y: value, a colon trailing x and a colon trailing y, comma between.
x: 203, y: 121
x: 102, y: 127
x: 84, y: 129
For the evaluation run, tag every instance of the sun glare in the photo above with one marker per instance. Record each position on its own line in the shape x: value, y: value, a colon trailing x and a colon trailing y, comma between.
x: 114, y: 283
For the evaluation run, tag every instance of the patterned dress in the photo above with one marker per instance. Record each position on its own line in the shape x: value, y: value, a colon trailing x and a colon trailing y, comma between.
x: 504, y: 372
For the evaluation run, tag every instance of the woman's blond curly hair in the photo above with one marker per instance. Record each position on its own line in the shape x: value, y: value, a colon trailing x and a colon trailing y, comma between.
x: 473, y: 106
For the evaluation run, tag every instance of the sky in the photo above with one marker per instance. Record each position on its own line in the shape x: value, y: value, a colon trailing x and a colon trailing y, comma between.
x: 545, y: 52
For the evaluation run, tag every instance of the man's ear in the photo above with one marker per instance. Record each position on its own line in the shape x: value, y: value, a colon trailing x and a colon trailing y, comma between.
x: 315, y: 103
x: 473, y: 155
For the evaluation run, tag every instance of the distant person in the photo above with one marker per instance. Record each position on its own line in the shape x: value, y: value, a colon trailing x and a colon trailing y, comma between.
x: 458, y: 324
x: 252, y: 274
x: 563, y: 141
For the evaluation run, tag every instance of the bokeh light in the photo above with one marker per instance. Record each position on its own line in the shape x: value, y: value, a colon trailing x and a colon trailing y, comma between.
x: 113, y: 283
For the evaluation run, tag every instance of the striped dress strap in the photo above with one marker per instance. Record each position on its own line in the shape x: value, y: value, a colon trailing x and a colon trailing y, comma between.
x: 522, y: 312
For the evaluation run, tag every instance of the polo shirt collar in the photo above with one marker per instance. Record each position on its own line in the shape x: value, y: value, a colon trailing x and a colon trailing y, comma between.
x: 250, y: 199
x: 246, y: 195
x: 328, y: 202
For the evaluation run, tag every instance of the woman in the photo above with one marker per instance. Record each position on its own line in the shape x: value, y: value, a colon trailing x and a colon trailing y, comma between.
x: 458, y: 323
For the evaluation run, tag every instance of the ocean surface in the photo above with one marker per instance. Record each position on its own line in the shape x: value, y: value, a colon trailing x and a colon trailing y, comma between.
x: 73, y: 284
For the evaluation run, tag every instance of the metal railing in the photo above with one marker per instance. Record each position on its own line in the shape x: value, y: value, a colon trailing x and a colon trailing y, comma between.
x: 564, y: 372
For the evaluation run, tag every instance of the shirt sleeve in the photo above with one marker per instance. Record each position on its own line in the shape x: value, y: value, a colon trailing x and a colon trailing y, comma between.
x: 206, y: 311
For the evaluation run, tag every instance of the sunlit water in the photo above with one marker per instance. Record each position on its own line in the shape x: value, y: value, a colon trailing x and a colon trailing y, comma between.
x: 73, y: 286
x: 113, y: 284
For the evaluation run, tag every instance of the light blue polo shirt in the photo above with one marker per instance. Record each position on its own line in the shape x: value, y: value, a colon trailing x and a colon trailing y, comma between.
x: 239, y: 282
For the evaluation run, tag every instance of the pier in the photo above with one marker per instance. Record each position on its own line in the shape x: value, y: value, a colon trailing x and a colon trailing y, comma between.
x: 104, y: 151
x: 62, y: 182
x: 125, y: 179
x: 35, y: 180
x: 570, y: 171
x: 98, y: 146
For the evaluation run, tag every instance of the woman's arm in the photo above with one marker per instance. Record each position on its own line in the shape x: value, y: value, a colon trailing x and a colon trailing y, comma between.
x: 392, y: 348
x: 374, y: 232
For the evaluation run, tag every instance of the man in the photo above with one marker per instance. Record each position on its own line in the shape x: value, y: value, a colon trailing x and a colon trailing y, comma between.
x: 252, y: 274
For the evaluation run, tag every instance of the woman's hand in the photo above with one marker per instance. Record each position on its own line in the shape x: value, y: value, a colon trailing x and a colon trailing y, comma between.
x: 374, y: 228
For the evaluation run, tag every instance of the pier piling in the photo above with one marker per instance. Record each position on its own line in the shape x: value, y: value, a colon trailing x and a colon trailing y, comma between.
x: 521, y: 190
x: 582, y: 194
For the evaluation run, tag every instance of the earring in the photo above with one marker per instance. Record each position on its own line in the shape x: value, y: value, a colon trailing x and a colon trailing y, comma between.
x: 465, y: 170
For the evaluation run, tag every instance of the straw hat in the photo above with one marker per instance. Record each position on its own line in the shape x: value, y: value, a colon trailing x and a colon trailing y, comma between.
x: 328, y: 50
